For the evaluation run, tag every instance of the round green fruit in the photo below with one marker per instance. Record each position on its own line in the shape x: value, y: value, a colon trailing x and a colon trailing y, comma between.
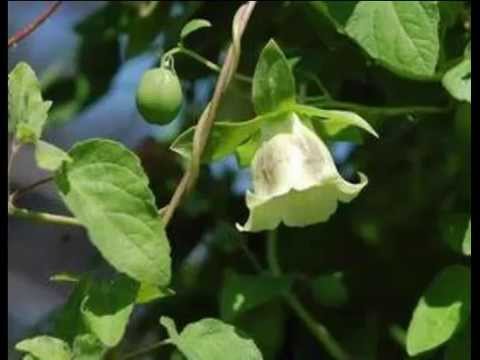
x: 159, y: 96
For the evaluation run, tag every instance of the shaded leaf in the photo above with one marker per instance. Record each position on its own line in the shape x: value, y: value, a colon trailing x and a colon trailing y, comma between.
x: 442, y: 310
x: 241, y: 293
x: 107, y: 307
x: 330, y: 290
x: 456, y: 232
x: 459, y: 347
x: 106, y: 189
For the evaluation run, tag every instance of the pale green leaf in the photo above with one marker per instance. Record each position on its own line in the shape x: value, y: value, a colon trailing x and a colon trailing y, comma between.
x: 194, y: 25
x: 241, y: 293
x: 148, y: 293
x: 106, y: 188
x: 401, y: 35
x: 88, y: 347
x: 458, y: 81
x: 273, y: 81
x: 48, y: 156
x: 224, y: 139
x: 330, y: 290
x: 107, y: 307
x: 45, y: 348
x: 211, y: 339
x: 442, y: 310
x: 333, y: 122
x: 27, y: 111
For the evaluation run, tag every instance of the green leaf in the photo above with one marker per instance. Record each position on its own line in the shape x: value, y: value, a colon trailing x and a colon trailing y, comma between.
x: 27, y: 112
x: 69, y: 323
x: 241, y: 293
x: 459, y: 347
x: 457, y: 81
x: 48, y: 156
x: 266, y: 326
x: 106, y: 189
x: 148, y: 293
x: 330, y: 290
x: 333, y: 122
x: 224, y: 139
x: 273, y: 82
x: 194, y: 25
x: 45, y: 348
x: 211, y: 339
x: 246, y: 151
x: 107, y: 307
x: 456, y: 232
x: 88, y: 347
x: 401, y: 35
x: 441, y: 311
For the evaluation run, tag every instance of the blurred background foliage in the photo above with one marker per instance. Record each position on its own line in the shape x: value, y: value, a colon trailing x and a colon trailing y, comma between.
x: 362, y: 272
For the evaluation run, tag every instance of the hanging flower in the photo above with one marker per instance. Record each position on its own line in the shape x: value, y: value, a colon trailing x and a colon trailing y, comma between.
x: 295, y: 180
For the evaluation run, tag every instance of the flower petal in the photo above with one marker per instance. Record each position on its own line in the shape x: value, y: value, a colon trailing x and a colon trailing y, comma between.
x: 300, y: 208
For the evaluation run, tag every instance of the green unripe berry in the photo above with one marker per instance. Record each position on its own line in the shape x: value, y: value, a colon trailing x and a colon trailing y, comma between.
x: 159, y: 96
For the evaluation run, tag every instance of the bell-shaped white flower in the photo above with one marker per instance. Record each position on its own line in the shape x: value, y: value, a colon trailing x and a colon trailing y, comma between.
x: 295, y: 180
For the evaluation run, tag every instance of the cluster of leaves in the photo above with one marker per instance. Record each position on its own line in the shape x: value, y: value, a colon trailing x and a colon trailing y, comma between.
x: 384, y: 55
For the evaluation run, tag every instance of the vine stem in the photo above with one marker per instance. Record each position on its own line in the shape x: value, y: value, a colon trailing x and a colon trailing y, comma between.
x: 145, y: 350
x: 319, y: 331
x: 376, y: 110
x: 30, y: 28
x: 21, y: 192
x: 205, y: 123
x: 42, y: 216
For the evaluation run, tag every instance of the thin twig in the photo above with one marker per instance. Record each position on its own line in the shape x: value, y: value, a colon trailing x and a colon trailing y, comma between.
x: 145, y: 350
x: 30, y: 28
x: 319, y: 331
x: 202, y: 130
x: 21, y: 192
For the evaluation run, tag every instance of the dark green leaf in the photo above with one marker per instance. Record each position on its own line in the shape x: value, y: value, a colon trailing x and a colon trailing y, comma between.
x: 329, y: 290
x: 459, y: 347
x: 88, y: 347
x: 273, y: 82
x: 106, y: 189
x: 456, y: 232
x: 241, y: 293
x: 107, y: 307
